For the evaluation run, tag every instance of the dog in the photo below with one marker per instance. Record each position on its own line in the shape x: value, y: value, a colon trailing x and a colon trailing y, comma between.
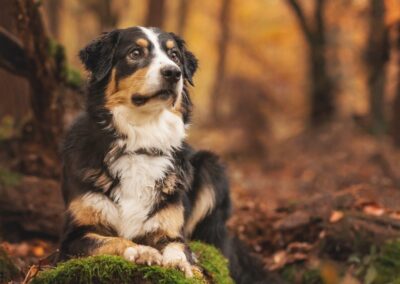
x: 132, y: 186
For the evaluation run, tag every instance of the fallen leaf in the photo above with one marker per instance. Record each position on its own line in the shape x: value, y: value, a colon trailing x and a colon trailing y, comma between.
x: 279, y: 256
x: 298, y: 246
x: 395, y: 215
x: 374, y: 209
x: 329, y: 273
x: 38, y: 251
x: 336, y: 216
x: 21, y: 249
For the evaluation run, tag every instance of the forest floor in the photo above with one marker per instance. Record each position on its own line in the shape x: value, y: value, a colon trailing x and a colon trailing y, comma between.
x: 287, y: 204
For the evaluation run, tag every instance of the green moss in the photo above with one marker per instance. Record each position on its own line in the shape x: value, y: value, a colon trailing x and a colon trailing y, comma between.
x: 72, y: 77
x: 289, y: 273
x: 312, y: 276
x: 385, y: 269
x: 213, y: 262
x: 6, y: 127
x: 114, y: 269
x: 55, y: 50
x: 9, y: 178
x: 299, y: 273
x: 8, y: 271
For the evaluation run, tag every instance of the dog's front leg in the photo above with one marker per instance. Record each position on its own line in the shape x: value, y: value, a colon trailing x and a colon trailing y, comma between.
x: 136, y: 253
x: 178, y: 255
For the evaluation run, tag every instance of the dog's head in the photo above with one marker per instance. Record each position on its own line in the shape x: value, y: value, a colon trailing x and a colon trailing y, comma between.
x: 143, y: 69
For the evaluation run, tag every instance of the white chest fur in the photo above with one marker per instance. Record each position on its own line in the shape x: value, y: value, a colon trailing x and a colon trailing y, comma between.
x: 138, y: 173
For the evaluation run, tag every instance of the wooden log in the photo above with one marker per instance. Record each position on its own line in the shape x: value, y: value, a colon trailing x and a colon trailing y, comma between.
x: 34, y: 206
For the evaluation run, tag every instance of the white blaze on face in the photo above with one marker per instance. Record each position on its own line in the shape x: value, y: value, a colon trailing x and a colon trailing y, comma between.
x: 160, y: 60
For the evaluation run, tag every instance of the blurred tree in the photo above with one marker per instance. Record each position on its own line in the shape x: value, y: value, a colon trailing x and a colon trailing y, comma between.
x: 223, y: 41
x: 183, y: 11
x: 14, y: 100
x: 107, y: 17
x: 376, y: 57
x: 396, y: 104
x: 29, y: 53
x: 321, y: 93
x: 53, y: 8
x: 155, y: 13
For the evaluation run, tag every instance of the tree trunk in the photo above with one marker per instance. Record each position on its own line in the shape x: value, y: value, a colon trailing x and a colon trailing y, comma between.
x: 107, y: 18
x: 396, y: 104
x: 183, y: 11
x: 155, y: 13
x: 14, y: 100
x: 30, y: 54
x: 53, y: 8
x: 377, y: 55
x: 322, y: 101
x: 321, y: 86
x: 224, y: 18
x: 44, y: 74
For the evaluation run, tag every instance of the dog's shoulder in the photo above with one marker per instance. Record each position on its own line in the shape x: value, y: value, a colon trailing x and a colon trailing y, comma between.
x: 85, y: 138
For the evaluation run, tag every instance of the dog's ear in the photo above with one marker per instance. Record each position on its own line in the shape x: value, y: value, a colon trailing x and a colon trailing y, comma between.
x: 190, y: 62
x: 98, y: 55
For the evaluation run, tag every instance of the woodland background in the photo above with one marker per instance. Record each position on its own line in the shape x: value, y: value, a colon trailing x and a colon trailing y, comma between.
x: 301, y: 98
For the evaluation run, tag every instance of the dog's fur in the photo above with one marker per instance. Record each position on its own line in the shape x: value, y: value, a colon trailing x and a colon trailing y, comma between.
x: 132, y: 186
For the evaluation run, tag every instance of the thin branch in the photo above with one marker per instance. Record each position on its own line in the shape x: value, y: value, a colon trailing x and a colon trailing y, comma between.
x: 298, y: 10
x: 319, y: 21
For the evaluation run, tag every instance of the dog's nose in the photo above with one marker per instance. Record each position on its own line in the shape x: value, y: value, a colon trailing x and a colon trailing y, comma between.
x: 171, y: 74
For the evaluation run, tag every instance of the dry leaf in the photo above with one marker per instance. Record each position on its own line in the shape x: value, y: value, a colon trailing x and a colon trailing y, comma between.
x: 38, y: 251
x: 336, y: 216
x: 298, y: 246
x: 374, y: 209
x: 395, y: 215
x: 279, y: 256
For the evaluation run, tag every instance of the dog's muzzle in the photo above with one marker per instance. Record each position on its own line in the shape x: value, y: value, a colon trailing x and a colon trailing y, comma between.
x: 139, y: 100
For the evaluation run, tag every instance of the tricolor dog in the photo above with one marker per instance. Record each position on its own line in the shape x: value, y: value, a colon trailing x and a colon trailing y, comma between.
x: 131, y: 184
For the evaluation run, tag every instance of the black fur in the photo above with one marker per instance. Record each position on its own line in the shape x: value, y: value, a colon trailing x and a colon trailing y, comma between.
x: 90, y: 148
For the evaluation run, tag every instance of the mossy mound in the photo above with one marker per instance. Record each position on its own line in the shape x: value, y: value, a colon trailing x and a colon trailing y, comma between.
x: 385, y: 268
x: 114, y: 269
x: 8, y: 270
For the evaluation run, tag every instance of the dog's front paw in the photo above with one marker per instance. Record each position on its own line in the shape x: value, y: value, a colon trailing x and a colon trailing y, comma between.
x: 174, y: 257
x: 143, y: 255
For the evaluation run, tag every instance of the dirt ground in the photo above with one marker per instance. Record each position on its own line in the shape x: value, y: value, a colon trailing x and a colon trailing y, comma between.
x: 285, y: 202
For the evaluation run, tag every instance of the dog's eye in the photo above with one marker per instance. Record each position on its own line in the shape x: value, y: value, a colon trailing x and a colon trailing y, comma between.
x: 136, y: 53
x: 174, y: 56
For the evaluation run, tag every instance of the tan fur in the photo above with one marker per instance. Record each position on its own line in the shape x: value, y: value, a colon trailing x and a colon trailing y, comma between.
x: 110, y: 245
x: 99, y: 179
x: 142, y: 42
x: 171, y: 219
x: 84, y: 215
x: 112, y: 85
x: 170, y: 44
x: 168, y: 184
x: 204, y: 204
x: 177, y: 108
x: 126, y: 88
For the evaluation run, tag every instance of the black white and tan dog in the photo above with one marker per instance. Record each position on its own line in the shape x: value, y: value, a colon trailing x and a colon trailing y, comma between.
x: 131, y: 184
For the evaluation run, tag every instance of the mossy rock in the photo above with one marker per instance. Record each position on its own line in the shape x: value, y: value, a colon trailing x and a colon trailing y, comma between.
x: 8, y: 270
x: 114, y: 269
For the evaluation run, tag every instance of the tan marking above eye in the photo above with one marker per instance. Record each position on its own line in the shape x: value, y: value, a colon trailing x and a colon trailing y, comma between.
x: 142, y: 42
x: 170, y: 44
